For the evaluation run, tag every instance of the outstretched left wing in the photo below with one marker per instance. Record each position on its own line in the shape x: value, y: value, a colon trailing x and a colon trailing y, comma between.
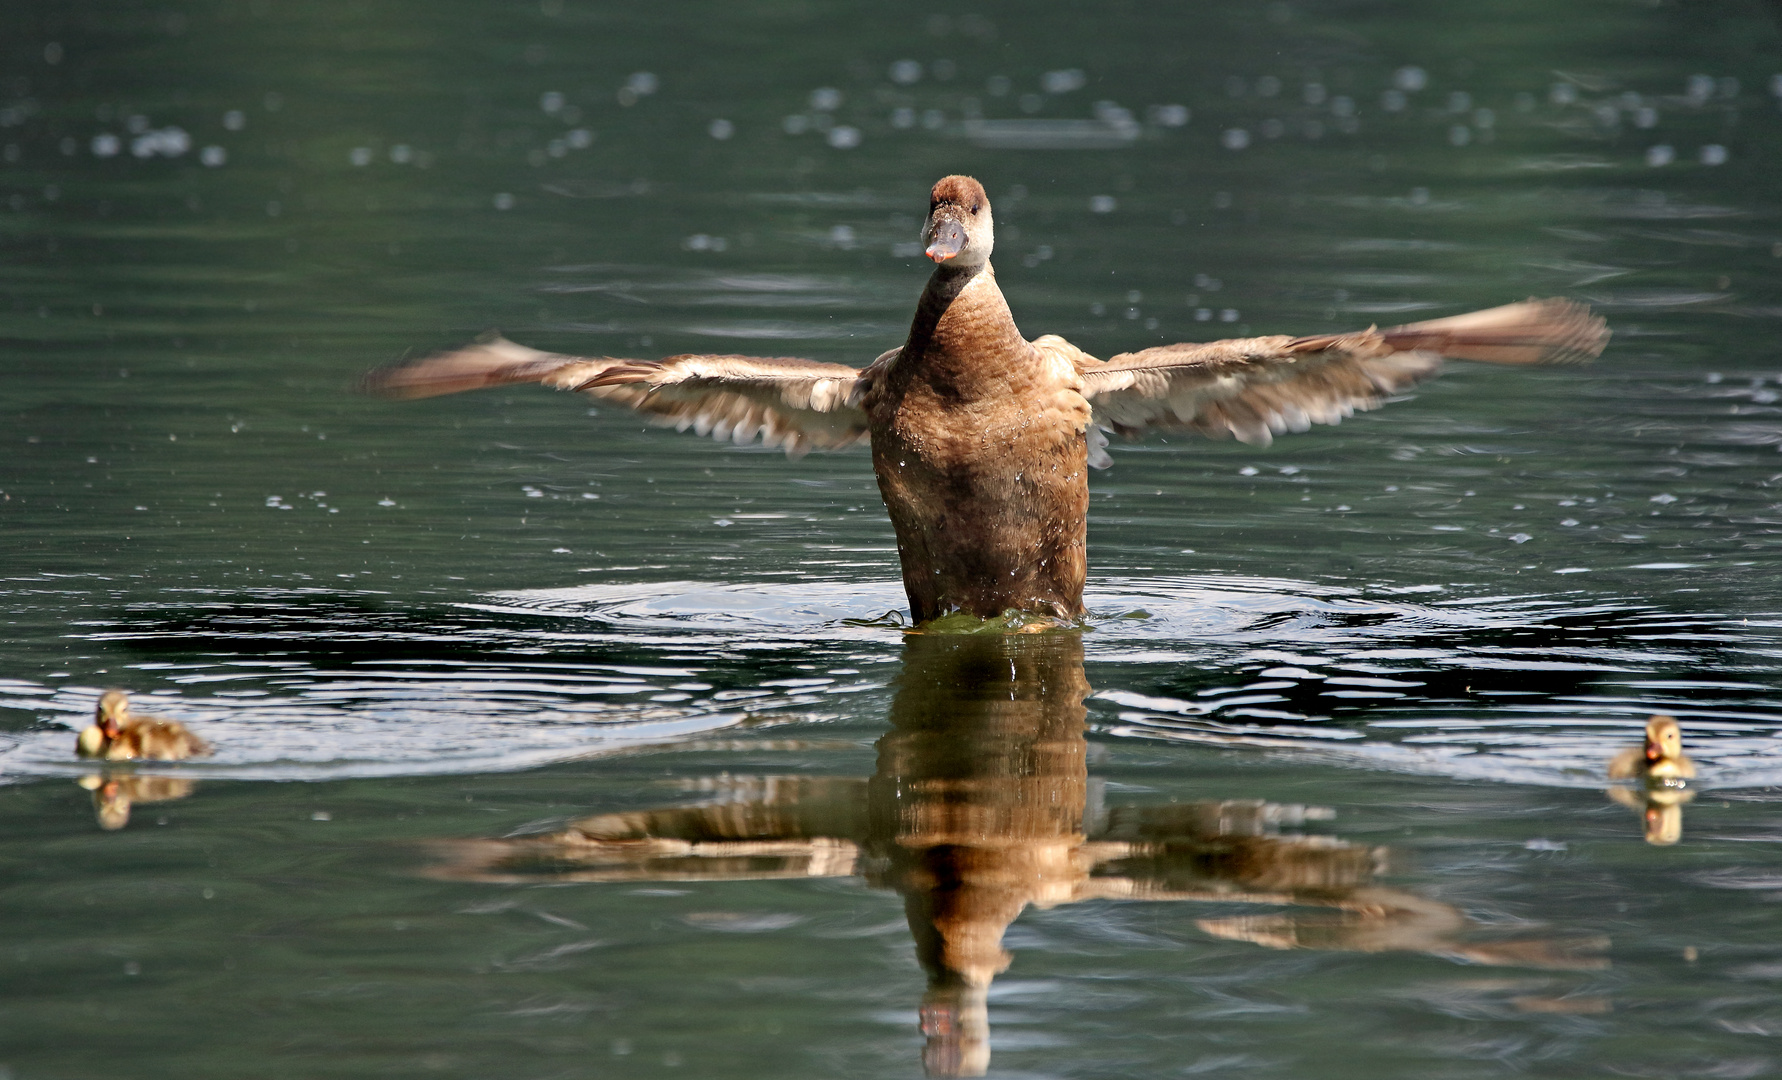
x: 1255, y: 388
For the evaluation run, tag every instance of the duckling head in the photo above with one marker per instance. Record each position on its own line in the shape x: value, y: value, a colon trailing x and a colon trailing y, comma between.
x: 959, y: 229
x: 112, y: 714
x: 1664, y: 740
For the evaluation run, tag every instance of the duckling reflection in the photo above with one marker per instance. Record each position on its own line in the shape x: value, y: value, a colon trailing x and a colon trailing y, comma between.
x: 981, y: 806
x: 115, y: 793
x: 116, y: 735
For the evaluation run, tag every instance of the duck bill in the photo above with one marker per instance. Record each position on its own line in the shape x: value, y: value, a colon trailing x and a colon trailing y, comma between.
x: 945, y: 240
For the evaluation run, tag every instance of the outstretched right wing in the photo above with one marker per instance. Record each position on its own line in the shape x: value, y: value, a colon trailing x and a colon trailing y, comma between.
x: 799, y: 404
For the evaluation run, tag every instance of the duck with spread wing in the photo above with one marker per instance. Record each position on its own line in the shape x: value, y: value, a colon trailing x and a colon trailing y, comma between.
x: 981, y: 439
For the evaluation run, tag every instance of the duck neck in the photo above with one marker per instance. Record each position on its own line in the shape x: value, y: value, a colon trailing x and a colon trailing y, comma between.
x: 963, y: 330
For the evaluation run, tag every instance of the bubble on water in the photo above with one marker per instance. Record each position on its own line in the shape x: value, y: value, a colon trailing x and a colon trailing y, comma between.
x: 1063, y: 81
x: 1314, y: 93
x: 842, y: 236
x: 1169, y: 115
x: 642, y: 83
x: 1460, y: 135
x: 234, y: 120
x: 551, y: 102
x: 1698, y: 89
x: 1103, y: 204
x: 1520, y: 538
x: 826, y: 99
x: 1203, y: 314
x: 52, y: 53
x: 1268, y: 86
x: 1412, y: 78
x: 1660, y: 155
x: 843, y: 137
x: 1713, y: 154
x: 1342, y: 105
x: 906, y: 72
x: 903, y: 118
x: 1248, y: 470
x: 720, y: 129
x: 1645, y: 117
x: 401, y: 154
x: 1234, y: 139
x: 1394, y: 101
x: 1663, y: 500
x: 213, y: 156
x: 1563, y: 94
x: 1484, y: 119
x: 1228, y: 315
x: 361, y: 155
x: 106, y: 145
x: 579, y: 138
x: 504, y: 201
x: 796, y: 124
x: 1109, y: 112
x: 166, y: 142
x: 1776, y: 84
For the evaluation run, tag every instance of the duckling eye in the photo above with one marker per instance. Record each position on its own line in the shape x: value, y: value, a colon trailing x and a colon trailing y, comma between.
x: 974, y: 208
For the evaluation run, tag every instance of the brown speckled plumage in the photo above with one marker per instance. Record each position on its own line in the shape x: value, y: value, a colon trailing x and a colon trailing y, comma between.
x: 981, y: 439
x: 116, y: 735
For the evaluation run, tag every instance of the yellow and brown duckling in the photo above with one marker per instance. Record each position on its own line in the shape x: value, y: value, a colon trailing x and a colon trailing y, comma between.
x: 115, y: 735
x: 1660, y: 761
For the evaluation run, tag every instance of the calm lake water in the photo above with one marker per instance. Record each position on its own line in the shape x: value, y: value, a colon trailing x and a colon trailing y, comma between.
x: 552, y: 745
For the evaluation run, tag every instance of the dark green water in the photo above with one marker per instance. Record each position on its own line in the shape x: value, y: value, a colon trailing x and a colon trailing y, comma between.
x: 1321, y: 794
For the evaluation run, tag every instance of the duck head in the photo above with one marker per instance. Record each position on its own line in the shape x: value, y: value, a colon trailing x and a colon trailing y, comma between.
x: 959, y: 230
x: 113, y: 712
x: 1664, y: 741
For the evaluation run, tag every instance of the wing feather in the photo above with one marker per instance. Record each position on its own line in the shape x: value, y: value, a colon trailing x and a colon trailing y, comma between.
x: 799, y: 404
x: 1253, y: 389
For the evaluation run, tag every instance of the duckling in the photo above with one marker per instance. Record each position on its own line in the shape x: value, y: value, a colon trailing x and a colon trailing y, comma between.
x: 115, y: 735
x: 1660, y: 761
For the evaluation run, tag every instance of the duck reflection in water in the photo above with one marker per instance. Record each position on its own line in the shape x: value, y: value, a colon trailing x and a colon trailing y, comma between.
x: 982, y: 805
x: 1661, y: 772
x: 115, y: 793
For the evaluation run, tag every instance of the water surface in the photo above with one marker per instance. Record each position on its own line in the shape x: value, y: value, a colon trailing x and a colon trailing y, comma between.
x: 1320, y: 787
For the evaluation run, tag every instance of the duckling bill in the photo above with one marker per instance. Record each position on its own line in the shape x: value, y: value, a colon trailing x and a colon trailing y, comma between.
x: 116, y: 735
x: 981, y: 439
